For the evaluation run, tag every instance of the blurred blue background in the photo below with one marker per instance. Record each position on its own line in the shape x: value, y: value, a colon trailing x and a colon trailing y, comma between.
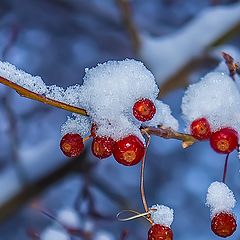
x: 58, y: 39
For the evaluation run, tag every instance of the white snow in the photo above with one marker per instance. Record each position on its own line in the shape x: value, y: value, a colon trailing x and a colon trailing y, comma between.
x: 163, y: 215
x: 217, y: 98
x: 51, y: 233
x: 220, y: 198
x: 26, y: 80
x: 76, y: 124
x: 68, y: 217
x: 163, y: 117
x: 166, y: 55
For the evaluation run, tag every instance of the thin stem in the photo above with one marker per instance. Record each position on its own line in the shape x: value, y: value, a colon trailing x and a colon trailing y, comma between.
x: 34, y: 96
x: 142, y: 190
x: 225, y: 168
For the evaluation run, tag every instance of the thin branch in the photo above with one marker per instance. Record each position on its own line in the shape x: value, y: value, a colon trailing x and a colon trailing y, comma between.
x: 129, y: 23
x: 168, y: 133
x: 40, y: 98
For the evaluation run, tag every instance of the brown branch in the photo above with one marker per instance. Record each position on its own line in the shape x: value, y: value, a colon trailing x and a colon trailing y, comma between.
x: 40, y: 98
x: 129, y: 23
x: 232, y: 66
x: 168, y: 133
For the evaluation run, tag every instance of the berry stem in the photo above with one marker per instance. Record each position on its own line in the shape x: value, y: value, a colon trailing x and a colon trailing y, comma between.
x: 87, y: 138
x: 142, y: 190
x: 225, y: 168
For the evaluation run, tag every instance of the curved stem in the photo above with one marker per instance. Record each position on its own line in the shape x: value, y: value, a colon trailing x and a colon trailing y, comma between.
x: 225, y: 168
x: 142, y: 190
x: 40, y: 98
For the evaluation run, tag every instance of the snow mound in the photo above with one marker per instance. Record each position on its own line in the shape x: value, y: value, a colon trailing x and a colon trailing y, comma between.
x: 163, y: 215
x: 216, y: 97
x: 109, y: 92
x: 220, y: 198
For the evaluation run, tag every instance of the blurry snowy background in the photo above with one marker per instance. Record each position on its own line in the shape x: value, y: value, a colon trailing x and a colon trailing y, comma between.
x: 179, y: 41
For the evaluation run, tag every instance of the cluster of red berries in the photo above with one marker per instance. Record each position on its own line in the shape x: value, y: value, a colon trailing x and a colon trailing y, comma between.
x: 224, y: 140
x: 160, y: 232
x: 127, y: 151
x: 224, y: 224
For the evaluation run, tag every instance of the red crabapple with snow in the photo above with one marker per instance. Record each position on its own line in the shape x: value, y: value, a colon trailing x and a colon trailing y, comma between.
x: 221, y: 201
x: 211, y: 111
x: 120, y: 97
x: 162, y: 217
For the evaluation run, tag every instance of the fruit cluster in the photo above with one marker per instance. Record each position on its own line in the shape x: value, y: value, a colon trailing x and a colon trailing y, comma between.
x: 127, y: 151
x: 224, y: 140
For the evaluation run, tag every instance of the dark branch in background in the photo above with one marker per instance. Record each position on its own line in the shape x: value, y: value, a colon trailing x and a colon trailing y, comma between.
x: 131, y: 28
x: 178, y: 79
x: 33, y: 190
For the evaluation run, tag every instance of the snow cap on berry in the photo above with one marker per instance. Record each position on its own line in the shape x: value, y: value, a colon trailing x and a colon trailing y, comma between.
x: 76, y: 124
x: 209, y: 98
x: 162, y: 215
x: 220, y: 198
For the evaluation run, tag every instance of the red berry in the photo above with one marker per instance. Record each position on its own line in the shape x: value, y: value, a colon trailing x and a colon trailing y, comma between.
x: 72, y: 145
x: 144, y: 110
x: 224, y: 140
x: 160, y: 232
x: 129, y: 150
x: 200, y: 129
x: 102, y: 147
x: 224, y: 224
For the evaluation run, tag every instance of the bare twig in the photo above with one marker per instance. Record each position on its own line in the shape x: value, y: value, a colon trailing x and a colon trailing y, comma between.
x: 129, y: 23
x: 34, y: 96
x: 168, y: 133
x: 232, y: 66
